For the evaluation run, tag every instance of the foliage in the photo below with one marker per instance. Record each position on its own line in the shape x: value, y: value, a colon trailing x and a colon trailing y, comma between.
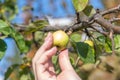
x: 7, y: 30
x: 8, y: 9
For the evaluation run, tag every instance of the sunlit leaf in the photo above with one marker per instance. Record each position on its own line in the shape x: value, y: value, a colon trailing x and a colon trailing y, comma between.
x: 108, y: 45
x: 3, y: 24
x: 2, y: 53
x: 75, y: 37
x: 117, y: 42
x: 80, y: 5
x: 25, y: 77
x: 26, y: 74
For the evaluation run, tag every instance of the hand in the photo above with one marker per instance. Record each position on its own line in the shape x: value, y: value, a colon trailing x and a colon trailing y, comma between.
x: 43, y: 67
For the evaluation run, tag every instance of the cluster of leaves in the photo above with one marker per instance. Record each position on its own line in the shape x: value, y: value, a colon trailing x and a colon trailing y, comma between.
x: 7, y: 30
x: 8, y: 9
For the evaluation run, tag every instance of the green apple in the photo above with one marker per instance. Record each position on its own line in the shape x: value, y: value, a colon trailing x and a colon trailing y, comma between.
x: 60, y: 39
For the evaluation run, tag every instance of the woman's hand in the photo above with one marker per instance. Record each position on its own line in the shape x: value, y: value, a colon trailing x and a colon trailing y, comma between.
x: 43, y: 67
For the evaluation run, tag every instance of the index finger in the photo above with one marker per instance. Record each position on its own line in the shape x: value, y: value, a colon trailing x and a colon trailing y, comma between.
x: 47, y: 45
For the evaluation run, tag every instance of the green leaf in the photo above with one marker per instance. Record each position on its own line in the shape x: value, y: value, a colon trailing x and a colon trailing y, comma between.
x: 76, y: 37
x: 85, y: 52
x: 55, y: 60
x: 9, y: 31
x: 80, y: 5
x: 36, y: 26
x: 101, y: 39
x: 2, y: 53
x: 3, y: 24
x: 10, y: 9
x: 117, y: 42
x: 3, y: 48
x: 3, y: 45
x: 89, y: 10
x: 10, y: 70
x: 26, y: 77
x: 104, y: 43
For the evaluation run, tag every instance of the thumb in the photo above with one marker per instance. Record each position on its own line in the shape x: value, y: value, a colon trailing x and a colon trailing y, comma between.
x: 64, y: 61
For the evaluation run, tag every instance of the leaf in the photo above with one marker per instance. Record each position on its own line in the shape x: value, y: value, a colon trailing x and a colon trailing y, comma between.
x: 55, y: 60
x: 10, y: 70
x: 89, y: 10
x: 24, y: 77
x: 75, y: 37
x: 104, y: 43
x: 117, y: 42
x: 3, y: 24
x: 85, y: 52
x: 108, y: 45
x: 36, y: 26
x: 2, y: 53
x: 3, y: 45
x: 3, y: 48
x: 9, y: 9
x: 9, y: 31
x: 80, y: 5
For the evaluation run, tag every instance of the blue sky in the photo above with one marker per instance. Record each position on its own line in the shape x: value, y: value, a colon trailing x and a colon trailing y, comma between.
x: 43, y: 7
x: 97, y: 4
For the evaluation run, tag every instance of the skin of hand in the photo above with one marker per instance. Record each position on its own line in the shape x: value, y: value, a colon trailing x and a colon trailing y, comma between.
x: 43, y: 67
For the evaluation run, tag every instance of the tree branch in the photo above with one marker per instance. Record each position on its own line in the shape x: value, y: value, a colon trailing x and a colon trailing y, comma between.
x: 112, y: 10
x: 96, y: 18
x: 47, y: 28
x: 114, y: 19
x: 100, y: 31
x: 106, y: 24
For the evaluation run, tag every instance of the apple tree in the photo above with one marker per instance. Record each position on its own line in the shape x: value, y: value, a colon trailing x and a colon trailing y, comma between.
x: 94, y: 40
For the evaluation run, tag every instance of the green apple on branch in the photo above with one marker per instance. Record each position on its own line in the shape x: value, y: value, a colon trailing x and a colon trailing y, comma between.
x: 60, y: 39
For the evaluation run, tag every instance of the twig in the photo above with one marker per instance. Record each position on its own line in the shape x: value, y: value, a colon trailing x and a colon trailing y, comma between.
x: 114, y: 19
x: 78, y: 58
x: 112, y: 10
x: 78, y: 17
x: 106, y: 24
x: 102, y: 32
